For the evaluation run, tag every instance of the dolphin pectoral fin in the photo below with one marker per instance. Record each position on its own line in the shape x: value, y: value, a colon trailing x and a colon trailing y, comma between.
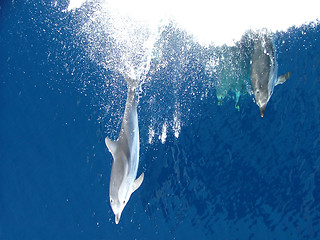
x: 138, y: 182
x: 283, y: 78
x: 112, y: 145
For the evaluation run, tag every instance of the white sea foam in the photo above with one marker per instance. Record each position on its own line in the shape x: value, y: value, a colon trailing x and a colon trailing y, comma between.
x: 176, y: 124
x: 163, y: 136
x: 218, y: 22
x: 151, y: 133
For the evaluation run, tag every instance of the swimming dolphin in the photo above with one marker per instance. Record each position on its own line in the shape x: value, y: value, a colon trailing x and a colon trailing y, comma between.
x: 264, y: 70
x: 125, y: 153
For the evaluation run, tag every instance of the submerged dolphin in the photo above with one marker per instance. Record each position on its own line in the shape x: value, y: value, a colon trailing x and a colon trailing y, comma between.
x: 125, y: 153
x: 264, y: 70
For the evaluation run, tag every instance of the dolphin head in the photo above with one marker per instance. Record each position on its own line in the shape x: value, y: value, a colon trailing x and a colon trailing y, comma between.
x: 119, y: 197
x: 262, y: 109
x: 120, y: 188
x: 262, y: 98
x: 117, y: 208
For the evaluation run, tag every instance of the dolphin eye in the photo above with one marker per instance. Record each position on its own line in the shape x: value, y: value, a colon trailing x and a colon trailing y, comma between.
x: 124, y: 202
x: 111, y: 201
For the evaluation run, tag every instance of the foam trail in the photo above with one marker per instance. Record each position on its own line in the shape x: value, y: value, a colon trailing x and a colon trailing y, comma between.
x: 163, y: 136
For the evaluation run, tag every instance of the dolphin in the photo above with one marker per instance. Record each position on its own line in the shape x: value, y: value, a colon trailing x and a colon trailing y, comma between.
x: 264, y: 70
x: 125, y: 153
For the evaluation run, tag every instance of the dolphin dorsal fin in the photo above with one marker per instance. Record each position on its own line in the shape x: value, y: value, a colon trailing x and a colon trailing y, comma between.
x: 283, y: 78
x: 112, y: 145
x: 138, y: 182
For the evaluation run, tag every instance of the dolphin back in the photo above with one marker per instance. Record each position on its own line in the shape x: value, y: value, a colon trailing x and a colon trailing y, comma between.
x: 264, y: 71
x: 125, y: 152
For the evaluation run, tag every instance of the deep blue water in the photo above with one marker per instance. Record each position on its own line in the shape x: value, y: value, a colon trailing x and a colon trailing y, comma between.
x: 229, y: 175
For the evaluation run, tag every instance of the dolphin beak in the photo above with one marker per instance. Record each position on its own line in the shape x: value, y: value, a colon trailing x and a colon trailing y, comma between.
x: 117, y: 218
x: 262, y: 109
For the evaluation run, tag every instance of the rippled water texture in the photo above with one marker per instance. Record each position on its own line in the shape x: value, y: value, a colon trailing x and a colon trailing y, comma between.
x: 214, y: 169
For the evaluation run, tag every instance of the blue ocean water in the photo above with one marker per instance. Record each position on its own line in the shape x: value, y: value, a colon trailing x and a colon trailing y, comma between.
x: 216, y: 173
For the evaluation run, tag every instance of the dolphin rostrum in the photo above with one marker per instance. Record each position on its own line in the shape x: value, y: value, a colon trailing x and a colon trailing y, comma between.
x: 125, y: 153
x: 264, y: 70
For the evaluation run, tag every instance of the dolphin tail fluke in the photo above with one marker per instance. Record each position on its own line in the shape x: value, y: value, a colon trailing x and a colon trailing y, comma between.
x: 283, y: 78
x: 112, y: 145
x: 137, y: 182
